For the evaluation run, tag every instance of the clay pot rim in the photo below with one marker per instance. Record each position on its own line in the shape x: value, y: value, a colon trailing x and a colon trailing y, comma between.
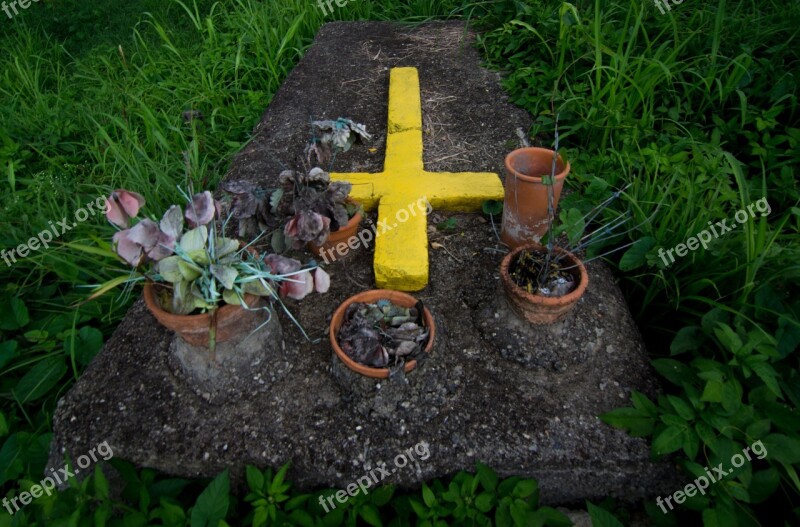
x: 351, y: 223
x: 534, y: 149
x: 155, y: 306
x: 397, y: 297
x: 556, y: 301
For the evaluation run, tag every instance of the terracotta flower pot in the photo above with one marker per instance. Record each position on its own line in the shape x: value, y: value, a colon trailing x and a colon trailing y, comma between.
x: 341, y: 236
x: 232, y: 321
x: 538, y: 309
x: 525, y: 202
x: 397, y: 298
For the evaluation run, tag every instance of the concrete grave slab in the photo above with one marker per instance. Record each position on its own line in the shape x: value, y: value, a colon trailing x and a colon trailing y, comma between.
x: 524, y: 402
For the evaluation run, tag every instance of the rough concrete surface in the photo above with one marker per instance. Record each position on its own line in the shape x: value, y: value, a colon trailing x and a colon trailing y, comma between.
x: 251, y: 363
x: 524, y: 401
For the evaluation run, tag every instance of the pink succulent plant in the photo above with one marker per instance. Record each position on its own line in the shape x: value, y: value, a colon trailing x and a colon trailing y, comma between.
x: 147, y: 240
x: 299, y: 285
x: 143, y: 240
x: 202, y: 209
x: 123, y: 205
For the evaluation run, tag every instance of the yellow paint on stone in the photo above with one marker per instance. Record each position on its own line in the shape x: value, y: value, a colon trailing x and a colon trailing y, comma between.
x: 401, y: 243
x: 401, y: 249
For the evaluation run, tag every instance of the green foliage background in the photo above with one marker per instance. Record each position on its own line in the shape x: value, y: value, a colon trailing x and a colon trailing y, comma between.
x: 697, y: 110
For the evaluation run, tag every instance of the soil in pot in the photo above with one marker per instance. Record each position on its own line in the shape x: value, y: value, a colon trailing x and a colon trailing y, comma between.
x: 527, y: 271
x: 548, y: 300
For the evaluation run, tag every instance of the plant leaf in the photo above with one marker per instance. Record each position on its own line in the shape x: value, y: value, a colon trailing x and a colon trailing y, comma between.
x: 687, y: 339
x: 212, y: 505
x: 225, y: 274
x: 274, y: 200
x: 636, y: 255
x: 13, y: 314
x: 728, y: 337
x: 108, y: 286
x: 195, y: 239
x: 255, y: 478
x: 190, y: 272
x: 767, y: 374
x: 226, y: 246
x: 169, y: 269
x: 637, y: 422
x: 601, y: 517
x: 278, y: 241
x: 8, y: 350
x: 88, y: 342
x: 782, y: 448
x: 183, y: 302
x: 573, y: 224
x: 487, y: 477
x: 255, y: 287
x: 370, y: 515
x: 675, y: 372
x: 668, y: 440
x: 427, y: 496
x: 230, y: 296
x: 492, y: 207
x: 40, y: 379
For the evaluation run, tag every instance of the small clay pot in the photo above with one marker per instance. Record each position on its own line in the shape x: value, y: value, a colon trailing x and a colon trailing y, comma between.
x: 343, y: 235
x: 369, y: 297
x: 525, y: 201
x: 232, y: 320
x: 538, y: 309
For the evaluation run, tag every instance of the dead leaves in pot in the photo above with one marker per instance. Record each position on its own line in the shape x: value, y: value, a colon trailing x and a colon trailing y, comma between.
x: 383, y: 334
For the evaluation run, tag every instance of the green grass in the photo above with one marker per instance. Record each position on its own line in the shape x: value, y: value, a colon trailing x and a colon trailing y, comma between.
x: 697, y: 110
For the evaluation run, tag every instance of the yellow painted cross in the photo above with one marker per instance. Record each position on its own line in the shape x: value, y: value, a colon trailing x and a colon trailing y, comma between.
x: 401, y: 244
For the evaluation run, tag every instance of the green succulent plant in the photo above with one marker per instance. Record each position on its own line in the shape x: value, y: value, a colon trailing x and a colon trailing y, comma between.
x: 206, y: 268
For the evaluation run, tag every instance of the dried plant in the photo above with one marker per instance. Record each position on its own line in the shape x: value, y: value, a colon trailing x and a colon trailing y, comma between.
x: 306, y: 202
x: 383, y: 334
x: 313, y: 204
x: 331, y: 137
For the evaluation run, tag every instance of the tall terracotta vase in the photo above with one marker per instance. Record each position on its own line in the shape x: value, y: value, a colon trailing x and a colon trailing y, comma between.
x: 525, y: 202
